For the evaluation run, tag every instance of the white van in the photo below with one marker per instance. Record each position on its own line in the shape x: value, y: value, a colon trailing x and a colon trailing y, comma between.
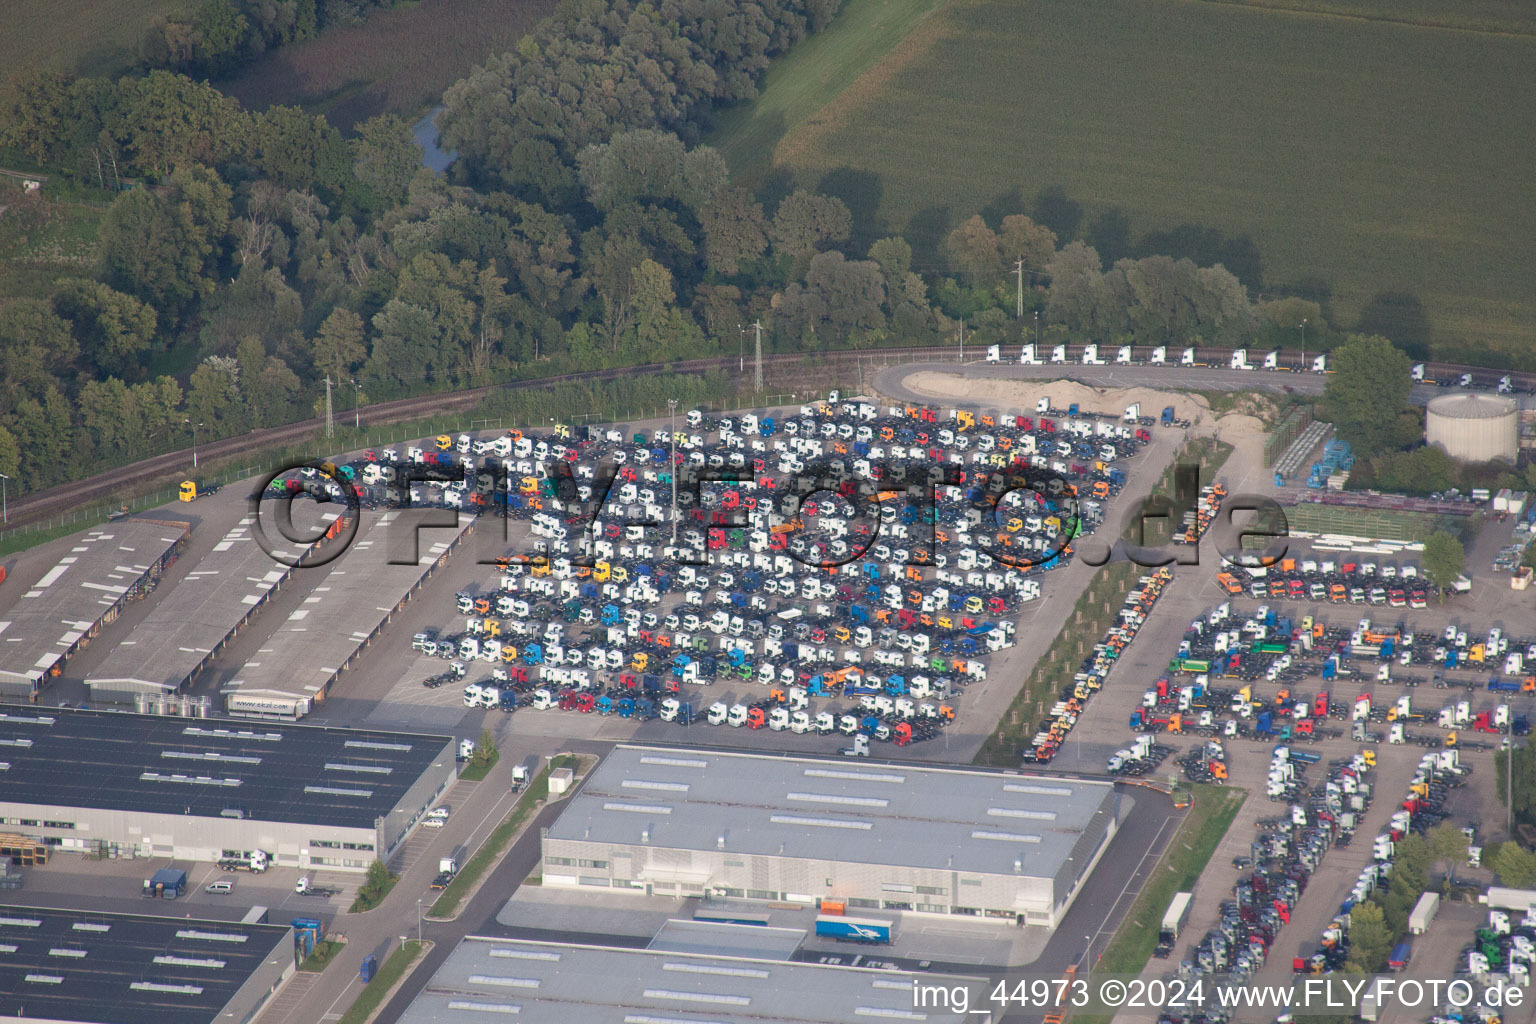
x: 223, y: 888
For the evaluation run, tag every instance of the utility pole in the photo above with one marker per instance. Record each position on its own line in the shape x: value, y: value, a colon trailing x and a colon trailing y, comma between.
x: 330, y: 428
x: 1019, y: 268
x: 5, y: 512
x: 757, y: 373
x: 194, y: 427
x: 672, y: 436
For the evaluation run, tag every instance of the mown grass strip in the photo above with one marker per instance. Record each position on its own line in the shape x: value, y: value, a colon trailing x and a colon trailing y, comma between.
x: 374, y: 992
x: 476, y: 771
x: 1210, y: 815
x: 499, y: 840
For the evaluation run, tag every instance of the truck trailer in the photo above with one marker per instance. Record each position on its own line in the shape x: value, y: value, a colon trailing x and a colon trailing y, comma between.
x: 853, y: 929
x: 1423, y: 913
x: 1173, y: 923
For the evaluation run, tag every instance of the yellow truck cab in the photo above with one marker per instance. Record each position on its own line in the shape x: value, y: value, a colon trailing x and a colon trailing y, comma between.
x: 188, y: 491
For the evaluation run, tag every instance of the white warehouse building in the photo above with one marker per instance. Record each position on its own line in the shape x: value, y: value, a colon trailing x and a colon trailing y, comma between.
x: 866, y: 835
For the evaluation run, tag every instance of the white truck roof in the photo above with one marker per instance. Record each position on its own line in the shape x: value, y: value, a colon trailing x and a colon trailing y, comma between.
x: 1174, y: 919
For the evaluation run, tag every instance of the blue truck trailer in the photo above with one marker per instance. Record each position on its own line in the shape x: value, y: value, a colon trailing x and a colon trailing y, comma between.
x: 853, y: 929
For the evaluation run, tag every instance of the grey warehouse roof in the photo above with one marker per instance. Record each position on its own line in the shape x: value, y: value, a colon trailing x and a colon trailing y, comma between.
x: 68, y: 601
x: 713, y: 938
x: 207, y: 766
x: 80, y: 966
x: 360, y: 590
x: 548, y: 983
x: 845, y: 811
x: 199, y: 612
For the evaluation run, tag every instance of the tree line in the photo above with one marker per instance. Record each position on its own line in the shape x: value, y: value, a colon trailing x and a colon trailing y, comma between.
x: 582, y: 225
x: 214, y: 37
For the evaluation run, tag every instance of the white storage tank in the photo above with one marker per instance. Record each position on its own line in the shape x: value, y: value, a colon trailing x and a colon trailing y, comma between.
x: 1474, y: 428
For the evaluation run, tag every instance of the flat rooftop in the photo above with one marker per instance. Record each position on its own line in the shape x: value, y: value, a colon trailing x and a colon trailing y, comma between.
x: 549, y: 983
x: 712, y: 938
x: 199, y: 613
x: 161, y: 764
x: 70, y: 599
x: 358, y: 593
x: 94, y: 968
x: 849, y: 811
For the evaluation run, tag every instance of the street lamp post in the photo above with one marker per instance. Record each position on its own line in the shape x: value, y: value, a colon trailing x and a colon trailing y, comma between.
x: 418, y: 922
x: 5, y: 511
x: 1037, y: 330
x: 672, y: 437
x: 1302, y: 327
x: 194, y: 427
x: 1087, y: 956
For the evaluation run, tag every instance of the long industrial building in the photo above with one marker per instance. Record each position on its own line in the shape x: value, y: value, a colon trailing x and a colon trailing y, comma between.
x: 66, y: 608
x: 549, y: 983
x: 86, y: 967
x: 361, y: 593
x: 189, y: 625
x: 125, y: 785
x: 916, y: 839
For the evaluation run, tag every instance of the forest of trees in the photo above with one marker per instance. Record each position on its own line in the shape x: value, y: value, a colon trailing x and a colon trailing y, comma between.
x: 582, y: 225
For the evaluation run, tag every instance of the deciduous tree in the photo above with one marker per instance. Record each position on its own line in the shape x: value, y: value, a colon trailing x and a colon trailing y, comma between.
x: 1367, y: 388
x: 385, y: 159
x: 1444, y: 559
x: 1449, y: 845
x: 975, y: 250
x: 735, y: 231
x: 114, y: 330
x: 804, y: 222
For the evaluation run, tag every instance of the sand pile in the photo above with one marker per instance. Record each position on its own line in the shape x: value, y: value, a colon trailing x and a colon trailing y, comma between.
x: 1021, y: 396
x: 1235, y: 429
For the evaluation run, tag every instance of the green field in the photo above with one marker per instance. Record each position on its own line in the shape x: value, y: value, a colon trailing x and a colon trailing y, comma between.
x: 814, y: 73
x: 87, y: 37
x: 1362, y: 149
x: 42, y: 240
x: 399, y: 60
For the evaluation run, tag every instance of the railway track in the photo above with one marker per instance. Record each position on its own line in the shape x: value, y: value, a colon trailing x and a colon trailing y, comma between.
x: 101, y: 487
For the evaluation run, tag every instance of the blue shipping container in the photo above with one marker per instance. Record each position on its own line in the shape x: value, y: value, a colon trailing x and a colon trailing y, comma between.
x: 853, y: 929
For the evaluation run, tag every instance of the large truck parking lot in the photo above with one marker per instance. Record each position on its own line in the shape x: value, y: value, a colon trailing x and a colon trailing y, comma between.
x: 341, y: 645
